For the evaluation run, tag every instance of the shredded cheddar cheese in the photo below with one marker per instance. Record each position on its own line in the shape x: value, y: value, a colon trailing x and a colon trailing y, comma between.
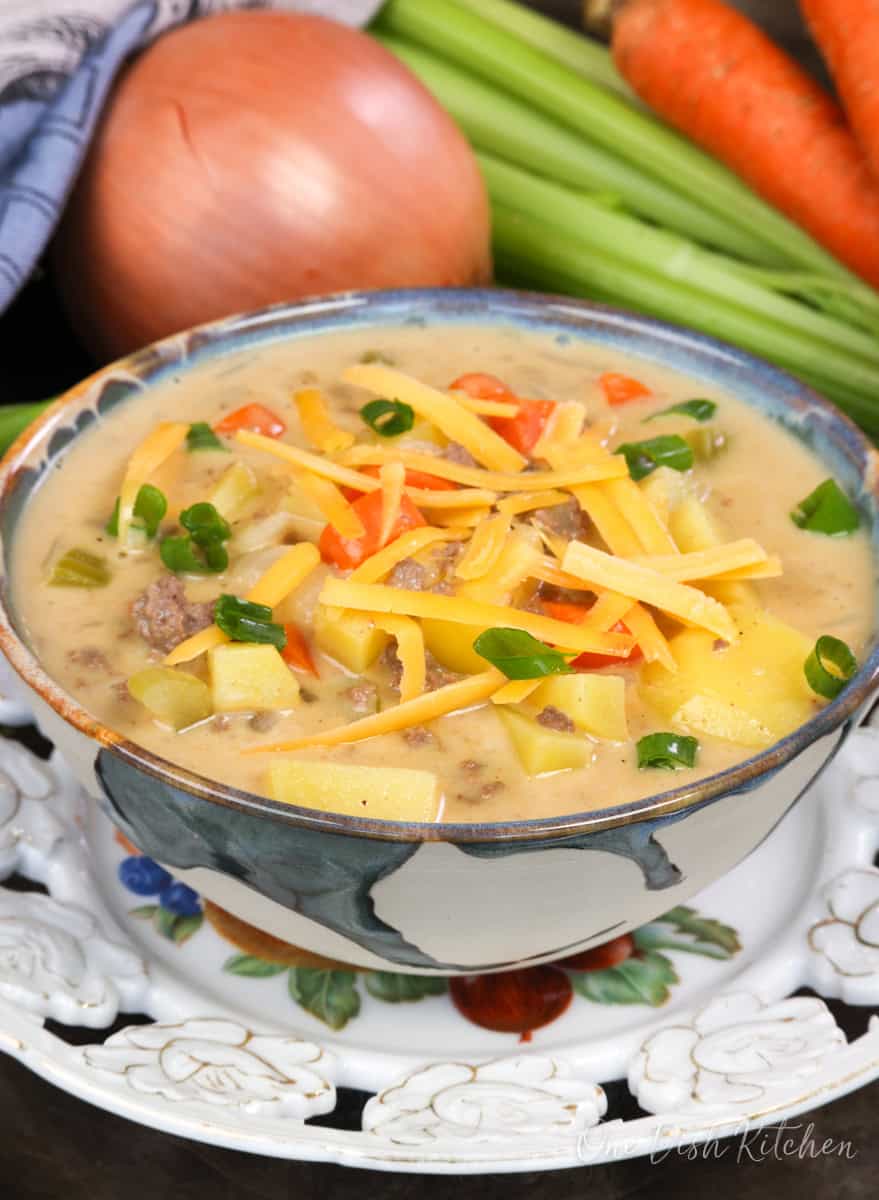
x: 641, y: 516
x: 156, y: 447
x: 410, y: 651
x: 528, y: 501
x: 317, y: 425
x: 341, y: 593
x: 744, y: 554
x: 679, y: 600
x: 374, y: 568
x: 442, y: 410
x: 608, y: 467
x: 392, y: 477
x: 464, y: 518
x: 485, y: 408
x: 515, y: 691
x: 427, y: 707
x: 330, y: 502
x: 613, y: 529
x: 485, y: 547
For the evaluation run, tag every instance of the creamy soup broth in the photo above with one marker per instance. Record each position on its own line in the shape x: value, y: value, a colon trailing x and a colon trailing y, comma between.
x: 85, y: 638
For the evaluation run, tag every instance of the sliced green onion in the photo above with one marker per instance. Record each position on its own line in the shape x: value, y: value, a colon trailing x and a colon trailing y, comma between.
x: 205, y: 524
x: 202, y: 437
x: 699, y: 410
x: 829, y: 667
x: 80, y: 568
x: 179, y: 554
x: 827, y: 510
x: 206, y: 532
x: 667, y: 751
x: 244, y: 621
x: 519, y: 655
x: 388, y: 418
x: 149, y: 509
x: 667, y: 451
x: 706, y: 442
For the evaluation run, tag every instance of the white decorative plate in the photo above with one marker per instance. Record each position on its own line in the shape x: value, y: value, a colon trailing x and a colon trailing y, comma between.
x: 241, y: 1040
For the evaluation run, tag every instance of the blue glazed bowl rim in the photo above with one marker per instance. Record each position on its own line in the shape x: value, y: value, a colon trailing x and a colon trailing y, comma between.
x: 535, y: 312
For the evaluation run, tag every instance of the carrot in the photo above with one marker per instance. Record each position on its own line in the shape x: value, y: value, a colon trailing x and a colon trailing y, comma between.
x: 621, y: 389
x: 255, y: 417
x: 714, y: 75
x: 847, y: 32
x: 296, y: 652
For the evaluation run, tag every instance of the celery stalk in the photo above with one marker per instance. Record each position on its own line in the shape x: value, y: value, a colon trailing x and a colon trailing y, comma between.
x: 667, y: 254
x: 527, y: 256
x: 581, y: 54
x: 455, y: 32
x: 497, y: 122
x: 14, y: 418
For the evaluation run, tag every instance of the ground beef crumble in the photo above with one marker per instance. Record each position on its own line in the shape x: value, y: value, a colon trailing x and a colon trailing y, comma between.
x: 91, y: 658
x: 554, y: 718
x: 363, y: 696
x: 436, y: 675
x: 566, y: 520
x: 459, y: 454
x: 164, y: 617
x: 418, y: 736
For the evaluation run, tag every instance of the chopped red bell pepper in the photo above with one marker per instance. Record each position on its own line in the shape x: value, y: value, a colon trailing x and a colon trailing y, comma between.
x: 255, y: 417
x: 575, y: 614
x: 351, y: 552
x: 621, y: 389
x: 418, y: 479
x: 482, y: 387
x: 296, y: 652
x: 525, y: 430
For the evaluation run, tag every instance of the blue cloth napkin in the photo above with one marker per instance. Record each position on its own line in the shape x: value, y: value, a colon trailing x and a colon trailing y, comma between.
x: 58, y: 59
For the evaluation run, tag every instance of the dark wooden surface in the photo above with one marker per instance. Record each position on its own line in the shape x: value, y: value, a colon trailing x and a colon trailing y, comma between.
x: 52, y: 1146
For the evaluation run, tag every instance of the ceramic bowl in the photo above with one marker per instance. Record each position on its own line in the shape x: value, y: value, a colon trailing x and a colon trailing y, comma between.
x: 439, y: 898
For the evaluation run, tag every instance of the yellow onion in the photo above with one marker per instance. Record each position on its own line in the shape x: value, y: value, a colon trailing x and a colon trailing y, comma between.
x: 254, y: 157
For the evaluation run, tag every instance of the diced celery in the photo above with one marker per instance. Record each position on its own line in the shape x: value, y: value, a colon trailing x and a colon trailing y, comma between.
x: 80, y: 568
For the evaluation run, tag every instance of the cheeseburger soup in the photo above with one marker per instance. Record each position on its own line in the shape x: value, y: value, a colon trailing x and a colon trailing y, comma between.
x: 459, y: 575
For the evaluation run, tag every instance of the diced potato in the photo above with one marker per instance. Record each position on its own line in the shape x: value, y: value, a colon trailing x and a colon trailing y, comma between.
x: 693, y: 528
x: 707, y: 714
x: 384, y: 793
x: 247, y: 677
x: 760, y: 679
x: 540, y: 749
x: 595, y: 703
x: 666, y: 490
x: 521, y: 553
x: 174, y: 697
x: 421, y: 431
x: 234, y: 491
x: 308, y: 519
x: 452, y: 645
x: 350, y: 638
